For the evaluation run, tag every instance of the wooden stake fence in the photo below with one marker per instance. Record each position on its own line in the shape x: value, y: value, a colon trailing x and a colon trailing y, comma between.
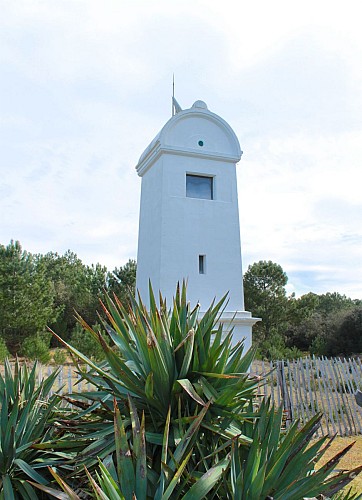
x: 307, y: 386
x: 304, y: 387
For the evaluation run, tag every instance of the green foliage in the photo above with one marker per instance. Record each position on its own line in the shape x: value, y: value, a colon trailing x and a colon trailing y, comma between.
x: 122, y: 282
x: 172, y: 366
x: 84, y: 341
x: 274, y: 348
x: 36, y: 347
x: 59, y: 356
x: 4, y: 353
x: 175, y: 415
x: 325, y: 324
x: 26, y: 296
x: 265, y: 297
x: 330, y: 303
x: 278, y: 465
x: 281, y: 465
x: 329, y: 334
x: 318, y: 346
x: 37, y: 291
x: 76, y: 286
x: 345, y: 333
x: 308, y: 332
x: 79, y: 287
x: 127, y: 477
x: 26, y: 433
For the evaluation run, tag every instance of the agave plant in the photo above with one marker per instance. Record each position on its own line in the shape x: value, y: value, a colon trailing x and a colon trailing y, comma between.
x: 282, y: 464
x: 26, y: 431
x: 129, y: 477
x: 278, y: 465
x: 175, y: 413
x: 174, y: 366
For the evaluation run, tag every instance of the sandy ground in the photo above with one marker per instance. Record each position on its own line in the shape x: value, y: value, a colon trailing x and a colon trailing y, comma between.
x: 352, y: 459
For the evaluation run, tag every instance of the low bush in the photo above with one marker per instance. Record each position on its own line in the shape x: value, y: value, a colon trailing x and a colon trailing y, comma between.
x: 59, y: 356
x: 4, y: 353
x: 87, y: 343
x: 27, y: 434
x: 37, y: 347
x: 274, y: 348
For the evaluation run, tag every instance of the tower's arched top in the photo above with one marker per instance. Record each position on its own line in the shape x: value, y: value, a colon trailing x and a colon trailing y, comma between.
x: 193, y: 132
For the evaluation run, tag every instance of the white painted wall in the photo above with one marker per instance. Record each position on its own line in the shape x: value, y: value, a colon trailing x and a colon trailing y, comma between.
x: 174, y: 229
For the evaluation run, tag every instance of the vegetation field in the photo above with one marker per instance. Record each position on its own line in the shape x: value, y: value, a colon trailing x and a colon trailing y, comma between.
x: 238, y: 463
x: 37, y: 291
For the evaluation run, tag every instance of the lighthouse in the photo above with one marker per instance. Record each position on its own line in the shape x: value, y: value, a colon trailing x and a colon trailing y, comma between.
x: 189, y: 216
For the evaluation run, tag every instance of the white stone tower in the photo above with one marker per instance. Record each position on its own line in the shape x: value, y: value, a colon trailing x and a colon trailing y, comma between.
x: 189, y: 217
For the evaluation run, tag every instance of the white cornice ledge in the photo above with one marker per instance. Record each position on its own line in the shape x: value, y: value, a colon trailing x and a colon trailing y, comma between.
x: 236, y: 318
x: 156, y: 151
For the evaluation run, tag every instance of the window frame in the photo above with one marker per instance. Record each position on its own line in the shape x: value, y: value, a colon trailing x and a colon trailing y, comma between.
x: 201, y: 176
x: 202, y: 264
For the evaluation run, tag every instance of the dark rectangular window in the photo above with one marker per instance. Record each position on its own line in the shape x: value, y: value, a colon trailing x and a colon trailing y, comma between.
x: 202, y: 264
x: 199, y: 186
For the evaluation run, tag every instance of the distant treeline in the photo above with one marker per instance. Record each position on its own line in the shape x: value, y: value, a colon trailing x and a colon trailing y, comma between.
x: 328, y: 324
x: 39, y: 291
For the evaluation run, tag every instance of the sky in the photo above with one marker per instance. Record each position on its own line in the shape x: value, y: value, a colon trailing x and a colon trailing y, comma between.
x: 85, y: 85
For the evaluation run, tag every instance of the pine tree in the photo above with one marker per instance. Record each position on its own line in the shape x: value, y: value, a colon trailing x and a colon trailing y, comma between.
x: 26, y: 296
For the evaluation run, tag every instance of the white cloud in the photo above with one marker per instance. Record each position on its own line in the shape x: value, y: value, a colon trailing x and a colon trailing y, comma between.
x: 86, y: 86
x: 300, y: 206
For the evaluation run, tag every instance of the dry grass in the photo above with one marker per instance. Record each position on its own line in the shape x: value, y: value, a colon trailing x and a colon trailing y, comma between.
x: 351, y: 460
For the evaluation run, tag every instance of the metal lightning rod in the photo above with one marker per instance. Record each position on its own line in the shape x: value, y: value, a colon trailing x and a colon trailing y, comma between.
x: 173, y: 93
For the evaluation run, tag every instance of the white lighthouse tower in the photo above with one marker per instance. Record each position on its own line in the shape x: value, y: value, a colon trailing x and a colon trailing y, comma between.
x: 189, y: 217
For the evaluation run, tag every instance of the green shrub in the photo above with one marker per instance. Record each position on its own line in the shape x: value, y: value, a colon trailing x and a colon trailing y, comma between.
x: 59, y: 356
x: 26, y: 435
x: 85, y: 342
x: 36, y: 347
x: 274, y: 348
x: 4, y: 353
x: 345, y: 336
x: 318, y: 345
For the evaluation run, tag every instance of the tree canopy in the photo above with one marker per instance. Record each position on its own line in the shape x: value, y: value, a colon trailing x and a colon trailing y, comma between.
x: 265, y: 295
x: 27, y: 296
x: 321, y: 324
x: 40, y: 291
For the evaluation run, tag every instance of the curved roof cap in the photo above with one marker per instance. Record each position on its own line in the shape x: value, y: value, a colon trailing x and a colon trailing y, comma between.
x: 195, y: 132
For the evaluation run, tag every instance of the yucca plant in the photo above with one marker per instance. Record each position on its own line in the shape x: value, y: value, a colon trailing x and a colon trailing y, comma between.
x: 127, y: 475
x: 202, y: 430
x: 173, y: 365
x: 282, y: 464
x: 27, y: 435
x: 278, y: 465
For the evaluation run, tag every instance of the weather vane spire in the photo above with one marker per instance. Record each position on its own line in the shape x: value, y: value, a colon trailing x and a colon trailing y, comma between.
x: 176, y: 108
x: 173, y: 93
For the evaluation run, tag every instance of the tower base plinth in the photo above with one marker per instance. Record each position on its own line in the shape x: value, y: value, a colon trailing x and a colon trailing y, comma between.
x: 241, y: 322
